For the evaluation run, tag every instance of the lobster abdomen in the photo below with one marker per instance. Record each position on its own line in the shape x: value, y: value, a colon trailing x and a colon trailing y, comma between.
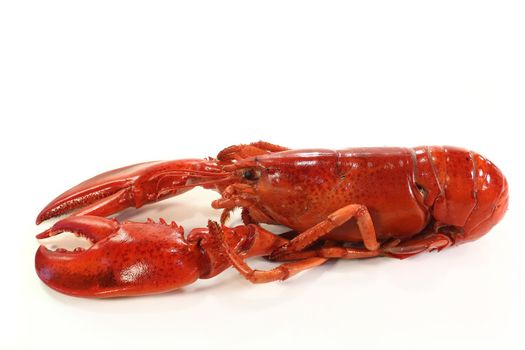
x: 467, y: 192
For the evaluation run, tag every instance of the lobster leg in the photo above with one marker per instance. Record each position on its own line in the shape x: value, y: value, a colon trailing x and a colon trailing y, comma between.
x: 428, y: 242
x: 400, y: 250
x: 304, y: 261
x: 337, y: 218
x: 281, y: 272
x: 331, y: 252
x: 308, y: 259
x: 311, y: 258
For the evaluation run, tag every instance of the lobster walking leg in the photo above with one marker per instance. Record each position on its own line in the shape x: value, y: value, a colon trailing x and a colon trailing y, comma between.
x: 316, y: 257
x: 396, y: 249
x: 331, y: 252
x: 311, y: 258
x: 337, y: 218
x: 280, y: 273
x: 416, y: 245
x: 427, y: 242
x: 294, y: 250
x: 304, y: 261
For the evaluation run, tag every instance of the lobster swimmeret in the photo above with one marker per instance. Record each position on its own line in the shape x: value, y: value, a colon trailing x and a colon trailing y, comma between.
x: 352, y: 203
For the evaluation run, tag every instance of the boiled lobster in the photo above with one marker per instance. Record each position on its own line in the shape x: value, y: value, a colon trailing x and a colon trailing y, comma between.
x: 352, y: 203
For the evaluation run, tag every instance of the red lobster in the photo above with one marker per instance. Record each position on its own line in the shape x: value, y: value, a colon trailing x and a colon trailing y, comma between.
x: 352, y: 203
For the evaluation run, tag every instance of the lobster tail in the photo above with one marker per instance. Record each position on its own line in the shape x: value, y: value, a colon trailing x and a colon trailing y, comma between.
x: 491, y: 194
x: 466, y: 192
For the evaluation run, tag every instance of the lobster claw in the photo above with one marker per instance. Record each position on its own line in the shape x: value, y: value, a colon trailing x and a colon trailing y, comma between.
x: 134, y: 185
x: 125, y: 259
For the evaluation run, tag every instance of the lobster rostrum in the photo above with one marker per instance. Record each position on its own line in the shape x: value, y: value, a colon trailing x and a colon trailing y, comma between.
x: 352, y: 203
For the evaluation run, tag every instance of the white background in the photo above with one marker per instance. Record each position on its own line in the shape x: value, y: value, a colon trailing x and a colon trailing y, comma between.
x: 90, y: 86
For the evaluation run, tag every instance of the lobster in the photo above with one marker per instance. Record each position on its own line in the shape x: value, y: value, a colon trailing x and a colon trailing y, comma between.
x: 347, y: 204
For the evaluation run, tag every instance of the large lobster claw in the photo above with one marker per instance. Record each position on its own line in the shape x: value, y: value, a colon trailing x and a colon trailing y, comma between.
x: 132, y: 258
x: 134, y: 185
x: 126, y: 258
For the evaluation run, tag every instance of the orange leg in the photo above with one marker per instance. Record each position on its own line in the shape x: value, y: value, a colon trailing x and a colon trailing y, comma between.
x: 337, y: 218
x: 280, y: 273
x: 304, y: 260
x: 311, y: 258
x: 331, y: 252
x: 426, y: 243
x: 394, y: 249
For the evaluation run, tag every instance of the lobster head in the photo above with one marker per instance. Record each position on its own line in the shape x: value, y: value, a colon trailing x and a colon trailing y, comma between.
x: 276, y: 188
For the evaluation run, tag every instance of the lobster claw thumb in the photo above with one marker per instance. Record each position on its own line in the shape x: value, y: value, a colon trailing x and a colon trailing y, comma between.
x: 125, y: 259
x: 93, y: 228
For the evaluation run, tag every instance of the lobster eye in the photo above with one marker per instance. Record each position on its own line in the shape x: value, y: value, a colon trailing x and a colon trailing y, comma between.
x: 251, y: 174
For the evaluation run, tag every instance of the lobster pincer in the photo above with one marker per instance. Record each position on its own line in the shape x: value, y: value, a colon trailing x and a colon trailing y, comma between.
x: 133, y: 258
x: 134, y: 186
x: 139, y: 184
